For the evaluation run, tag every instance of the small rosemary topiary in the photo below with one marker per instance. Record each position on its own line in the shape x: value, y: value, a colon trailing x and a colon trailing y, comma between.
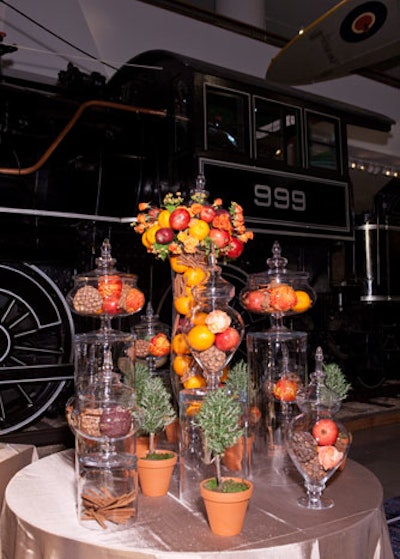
x: 238, y: 378
x: 336, y: 380
x: 219, y: 419
x: 155, y: 401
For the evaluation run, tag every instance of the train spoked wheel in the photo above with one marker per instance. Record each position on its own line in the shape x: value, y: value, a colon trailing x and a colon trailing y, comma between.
x: 36, y: 345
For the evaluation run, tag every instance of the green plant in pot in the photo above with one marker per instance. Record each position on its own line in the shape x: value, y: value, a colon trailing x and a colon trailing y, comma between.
x: 219, y: 419
x: 158, y: 411
x: 238, y: 383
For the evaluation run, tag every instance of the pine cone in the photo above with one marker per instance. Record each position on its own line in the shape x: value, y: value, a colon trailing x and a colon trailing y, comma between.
x: 87, y: 300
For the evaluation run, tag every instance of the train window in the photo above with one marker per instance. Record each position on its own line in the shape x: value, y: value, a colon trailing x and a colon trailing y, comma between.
x: 323, y: 142
x: 277, y: 130
x: 227, y: 114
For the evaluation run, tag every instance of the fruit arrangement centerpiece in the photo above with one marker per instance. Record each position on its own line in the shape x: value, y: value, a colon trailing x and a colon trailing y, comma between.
x: 185, y: 233
x: 317, y: 442
x: 277, y: 292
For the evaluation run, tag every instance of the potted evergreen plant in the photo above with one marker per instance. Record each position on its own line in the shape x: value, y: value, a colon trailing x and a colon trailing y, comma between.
x: 226, y: 498
x: 238, y: 383
x: 155, y: 468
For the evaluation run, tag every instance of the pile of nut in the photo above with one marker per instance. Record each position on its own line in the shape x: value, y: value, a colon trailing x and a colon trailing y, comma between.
x: 304, y: 447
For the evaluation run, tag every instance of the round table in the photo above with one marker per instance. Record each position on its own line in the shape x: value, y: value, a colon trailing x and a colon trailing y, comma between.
x: 39, y: 520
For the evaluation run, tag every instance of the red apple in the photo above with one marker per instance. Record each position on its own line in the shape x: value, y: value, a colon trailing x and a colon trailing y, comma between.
x: 235, y: 248
x: 285, y: 390
x: 325, y: 432
x: 207, y: 214
x: 227, y: 340
x: 179, y: 219
x: 111, y: 304
x: 164, y: 235
x: 257, y: 301
x: 219, y: 237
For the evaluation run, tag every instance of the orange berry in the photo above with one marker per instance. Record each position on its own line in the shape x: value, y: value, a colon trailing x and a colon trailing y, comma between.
x: 200, y: 338
x: 177, y: 265
x: 181, y: 364
x: 179, y: 345
x: 194, y: 276
x: 183, y: 304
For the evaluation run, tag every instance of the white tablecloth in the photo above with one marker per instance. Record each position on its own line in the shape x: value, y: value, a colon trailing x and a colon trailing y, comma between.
x: 39, y: 522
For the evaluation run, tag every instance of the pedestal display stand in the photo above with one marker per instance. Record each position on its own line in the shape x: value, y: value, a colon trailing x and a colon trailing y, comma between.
x: 277, y: 357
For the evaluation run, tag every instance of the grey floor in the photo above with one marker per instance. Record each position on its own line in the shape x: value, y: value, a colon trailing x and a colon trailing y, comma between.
x: 378, y: 449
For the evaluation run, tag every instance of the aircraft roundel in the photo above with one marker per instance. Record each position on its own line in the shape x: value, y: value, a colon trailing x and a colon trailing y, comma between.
x: 363, y: 22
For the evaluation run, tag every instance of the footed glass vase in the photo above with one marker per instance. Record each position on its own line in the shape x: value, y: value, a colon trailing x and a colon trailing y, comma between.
x: 317, y: 442
x: 318, y: 445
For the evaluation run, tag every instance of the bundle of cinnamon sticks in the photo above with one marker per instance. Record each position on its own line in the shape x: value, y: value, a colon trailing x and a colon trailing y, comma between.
x: 102, y: 506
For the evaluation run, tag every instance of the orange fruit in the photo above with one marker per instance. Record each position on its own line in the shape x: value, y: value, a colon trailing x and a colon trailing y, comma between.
x: 196, y: 381
x: 163, y: 218
x: 200, y: 338
x: 151, y: 234
x: 145, y: 240
x: 199, y: 229
x: 199, y: 318
x: 194, y: 276
x: 183, y: 304
x: 179, y: 345
x: 177, y: 265
x: 303, y: 301
x: 194, y: 408
x: 181, y: 364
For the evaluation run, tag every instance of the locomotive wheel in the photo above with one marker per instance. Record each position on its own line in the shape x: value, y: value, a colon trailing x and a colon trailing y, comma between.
x: 36, y: 344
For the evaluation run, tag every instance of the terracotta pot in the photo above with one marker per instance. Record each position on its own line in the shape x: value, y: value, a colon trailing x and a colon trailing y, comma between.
x: 226, y: 511
x: 233, y: 456
x: 172, y: 431
x: 142, y: 445
x: 155, y: 475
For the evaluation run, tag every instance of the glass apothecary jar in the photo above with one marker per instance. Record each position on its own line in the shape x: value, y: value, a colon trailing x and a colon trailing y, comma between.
x: 277, y: 292
x: 214, y: 329
x: 104, y: 292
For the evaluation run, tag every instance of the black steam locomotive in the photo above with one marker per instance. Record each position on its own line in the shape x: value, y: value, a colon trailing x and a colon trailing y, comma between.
x: 78, y: 156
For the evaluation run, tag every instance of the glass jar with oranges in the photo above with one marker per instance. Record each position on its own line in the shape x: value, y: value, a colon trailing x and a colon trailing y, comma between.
x: 214, y: 329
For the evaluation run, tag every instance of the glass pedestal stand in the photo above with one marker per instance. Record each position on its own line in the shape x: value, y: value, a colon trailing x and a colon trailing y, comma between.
x: 277, y: 362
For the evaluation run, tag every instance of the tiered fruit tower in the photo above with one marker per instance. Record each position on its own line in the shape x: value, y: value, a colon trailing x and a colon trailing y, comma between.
x: 103, y: 414
x: 278, y: 356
